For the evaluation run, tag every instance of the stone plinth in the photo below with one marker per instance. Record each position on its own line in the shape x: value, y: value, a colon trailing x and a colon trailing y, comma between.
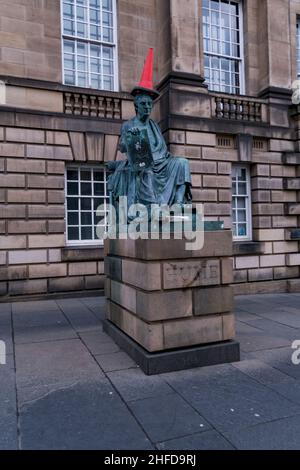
x: 168, y: 299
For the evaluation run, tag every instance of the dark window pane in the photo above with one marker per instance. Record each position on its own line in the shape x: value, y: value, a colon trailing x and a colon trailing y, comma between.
x: 85, y: 175
x: 86, y: 189
x: 72, y: 204
x: 100, y: 219
x: 99, y: 189
x: 86, y: 218
x: 72, y: 175
x: 73, y: 218
x: 98, y: 202
x: 73, y: 233
x: 86, y: 233
x: 86, y: 204
x: 72, y: 189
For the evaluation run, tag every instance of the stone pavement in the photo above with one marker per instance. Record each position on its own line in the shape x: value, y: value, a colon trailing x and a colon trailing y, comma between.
x: 66, y: 385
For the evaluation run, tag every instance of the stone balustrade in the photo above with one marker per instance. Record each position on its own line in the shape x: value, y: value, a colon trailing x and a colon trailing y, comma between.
x: 83, y: 104
x: 239, y: 108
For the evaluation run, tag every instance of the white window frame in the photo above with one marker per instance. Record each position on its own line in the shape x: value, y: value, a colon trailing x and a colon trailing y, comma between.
x: 240, y: 59
x: 88, y: 41
x: 298, y: 46
x: 96, y: 242
x: 248, y: 236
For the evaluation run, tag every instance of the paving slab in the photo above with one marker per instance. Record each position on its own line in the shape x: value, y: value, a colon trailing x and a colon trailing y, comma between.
x: 168, y: 416
x: 133, y: 384
x: 85, y: 416
x: 115, y: 361
x: 98, y: 342
x: 280, y: 359
x: 80, y: 317
x: 46, y: 366
x: 8, y: 406
x: 209, y: 440
x: 282, y: 434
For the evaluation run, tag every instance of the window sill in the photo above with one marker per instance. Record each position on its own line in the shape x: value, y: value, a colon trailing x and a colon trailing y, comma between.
x: 248, y: 248
x: 83, y: 253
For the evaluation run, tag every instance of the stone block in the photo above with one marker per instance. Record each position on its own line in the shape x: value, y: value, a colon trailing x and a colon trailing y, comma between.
x: 26, y: 226
x: 272, y: 260
x: 224, y: 168
x: 17, y: 165
x: 94, y: 282
x: 48, y: 270
x: 201, y: 138
x: 293, y: 259
x: 12, y: 150
x: 284, y: 196
x: 146, y: 276
x: 212, y: 300
x: 262, y: 196
x: 293, y: 285
x: 15, y: 195
x: 57, y: 138
x: 269, y: 235
x: 158, y: 306
x: 46, y: 241
x: 124, y: 295
x: 218, y: 243
x: 113, y: 268
x: 190, y: 332
x: 46, y: 152
x: 55, y: 167
x: 66, y: 284
x: 227, y: 270
x: 110, y: 147
x: 255, y: 275
x: 2, y: 226
x: 27, y: 287
x: 56, y: 226
x: 291, y: 184
x: 201, y: 272
x: 80, y: 269
x: 292, y: 209
x: 240, y: 276
x: 15, y: 134
x: 12, y: 211
x: 246, y: 262
x: 205, y: 195
x: 95, y: 147
x: 56, y: 197
x: 27, y: 256
x: 12, y: 181
x: 150, y: 336
x: 2, y: 257
x: 286, y: 272
x: 78, y: 146
x: 46, y: 182
x: 12, y: 273
x: 285, y: 247
x: 54, y: 256
x: 37, y: 211
x: 13, y: 242
x: 216, y: 181
x: 228, y: 326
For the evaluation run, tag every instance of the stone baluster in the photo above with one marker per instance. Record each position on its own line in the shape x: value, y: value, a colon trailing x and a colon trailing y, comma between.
x: 93, y: 107
x: 251, y: 111
x: 232, y: 109
x: 77, y: 104
x: 68, y: 103
x: 239, y: 110
x: 85, y: 106
x: 258, y: 112
x: 226, y: 108
x: 117, y: 108
x: 109, y: 108
x: 219, y: 107
x: 245, y: 110
x: 101, y: 107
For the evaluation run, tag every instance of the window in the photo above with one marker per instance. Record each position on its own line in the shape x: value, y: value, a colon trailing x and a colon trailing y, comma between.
x: 85, y: 192
x: 298, y: 47
x: 241, y: 203
x: 223, y: 51
x: 89, y: 43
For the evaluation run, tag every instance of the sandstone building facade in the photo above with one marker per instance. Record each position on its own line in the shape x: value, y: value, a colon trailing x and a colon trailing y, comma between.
x: 225, y: 70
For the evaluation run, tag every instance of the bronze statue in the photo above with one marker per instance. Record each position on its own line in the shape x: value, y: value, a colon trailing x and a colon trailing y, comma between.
x: 150, y: 175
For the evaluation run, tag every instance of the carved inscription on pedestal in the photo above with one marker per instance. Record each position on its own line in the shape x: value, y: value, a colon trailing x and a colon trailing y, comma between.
x: 202, y: 272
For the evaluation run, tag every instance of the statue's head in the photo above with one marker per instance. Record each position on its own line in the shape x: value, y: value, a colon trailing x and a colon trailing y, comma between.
x: 143, y: 104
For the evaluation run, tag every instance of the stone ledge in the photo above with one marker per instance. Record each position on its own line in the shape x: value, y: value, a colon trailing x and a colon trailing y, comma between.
x: 180, y: 359
x: 82, y: 253
x: 248, y: 248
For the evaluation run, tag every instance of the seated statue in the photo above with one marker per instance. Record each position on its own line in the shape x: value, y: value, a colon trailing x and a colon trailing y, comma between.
x: 167, y: 180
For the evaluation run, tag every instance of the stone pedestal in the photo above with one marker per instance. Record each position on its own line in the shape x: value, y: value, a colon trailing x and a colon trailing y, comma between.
x: 170, y: 308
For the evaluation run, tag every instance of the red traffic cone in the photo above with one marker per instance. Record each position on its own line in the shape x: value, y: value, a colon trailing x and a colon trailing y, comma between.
x: 146, y: 82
